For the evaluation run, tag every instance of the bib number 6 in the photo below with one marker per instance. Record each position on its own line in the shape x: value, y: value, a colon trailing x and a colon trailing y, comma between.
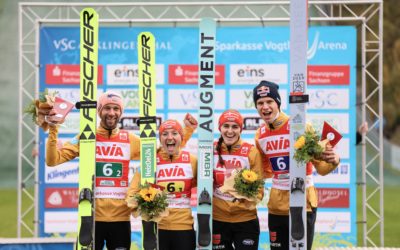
x: 280, y: 163
x: 107, y: 169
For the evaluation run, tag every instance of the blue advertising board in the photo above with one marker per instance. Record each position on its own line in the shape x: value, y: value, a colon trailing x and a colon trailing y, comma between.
x: 244, y: 56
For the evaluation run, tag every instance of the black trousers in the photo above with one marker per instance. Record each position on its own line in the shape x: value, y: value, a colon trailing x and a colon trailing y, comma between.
x: 176, y: 239
x: 238, y: 236
x: 113, y: 235
x: 279, y: 230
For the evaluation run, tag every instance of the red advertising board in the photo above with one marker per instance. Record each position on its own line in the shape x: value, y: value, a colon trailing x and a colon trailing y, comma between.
x: 189, y: 73
x: 61, y: 197
x: 333, y: 197
x: 67, y: 74
x: 328, y: 74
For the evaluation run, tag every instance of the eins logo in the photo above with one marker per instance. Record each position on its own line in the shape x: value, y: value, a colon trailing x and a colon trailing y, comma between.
x: 126, y: 72
x: 250, y: 72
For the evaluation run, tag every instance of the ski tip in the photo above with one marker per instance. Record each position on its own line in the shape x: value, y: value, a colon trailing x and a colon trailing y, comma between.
x: 208, y: 20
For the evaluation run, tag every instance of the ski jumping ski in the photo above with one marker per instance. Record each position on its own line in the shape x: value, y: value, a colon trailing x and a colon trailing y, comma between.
x: 205, y: 132
x: 87, y: 127
x: 147, y: 125
x: 298, y: 100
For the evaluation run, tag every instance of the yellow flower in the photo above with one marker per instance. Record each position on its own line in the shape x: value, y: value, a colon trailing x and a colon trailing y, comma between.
x: 246, y: 184
x: 249, y: 176
x: 148, y: 194
x: 300, y: 142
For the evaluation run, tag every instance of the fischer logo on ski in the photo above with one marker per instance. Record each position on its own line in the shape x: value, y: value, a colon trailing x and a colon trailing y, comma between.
x: 206, y: 86
x: 87, y: 124
x: 147, y: 125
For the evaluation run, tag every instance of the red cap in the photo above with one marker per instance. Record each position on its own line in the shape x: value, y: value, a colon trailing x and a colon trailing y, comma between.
x: 231, y: 115
x: 109, y: 97
x: 171, y: 124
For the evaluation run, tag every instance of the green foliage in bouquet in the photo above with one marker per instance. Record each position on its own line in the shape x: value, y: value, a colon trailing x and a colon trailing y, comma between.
x: 307, y: 147
x: 247, y: 183
x: 149, y: 203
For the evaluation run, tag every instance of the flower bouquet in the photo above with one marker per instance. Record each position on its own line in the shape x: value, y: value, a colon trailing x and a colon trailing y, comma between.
x: 150, y: 203
x: 243, y: 184
x: 308, y: 146
x: 46, y: 101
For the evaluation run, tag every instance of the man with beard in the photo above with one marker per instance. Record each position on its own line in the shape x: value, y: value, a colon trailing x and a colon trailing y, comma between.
x: 114, y: 146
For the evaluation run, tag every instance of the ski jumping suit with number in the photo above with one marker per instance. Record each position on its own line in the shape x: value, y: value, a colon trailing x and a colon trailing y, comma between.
x: 178, y: 175
x: 109, y: 208
x: 273, y: 141
x: 235, y: 221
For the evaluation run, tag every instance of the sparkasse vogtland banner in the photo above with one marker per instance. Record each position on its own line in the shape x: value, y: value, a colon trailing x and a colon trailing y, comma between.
x: 244, y: 56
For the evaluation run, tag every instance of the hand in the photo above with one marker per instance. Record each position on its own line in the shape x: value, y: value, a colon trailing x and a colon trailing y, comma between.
x: 44, y: 108
x: 50, y: 116
x: 190, y: 121
x: 330, y: 156
x: 363, y: 128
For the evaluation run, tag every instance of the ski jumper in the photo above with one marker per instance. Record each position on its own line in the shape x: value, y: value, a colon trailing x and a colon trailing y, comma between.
x: 177, y: 174
x: 235, y: 221
x: 273, y: 142
x: 111, y: 146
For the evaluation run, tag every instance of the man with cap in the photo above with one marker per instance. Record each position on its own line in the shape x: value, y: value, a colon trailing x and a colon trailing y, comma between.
x: 176, y: 173
x: 235, y: 221
x: 272, y: 139
x: 112, y: 226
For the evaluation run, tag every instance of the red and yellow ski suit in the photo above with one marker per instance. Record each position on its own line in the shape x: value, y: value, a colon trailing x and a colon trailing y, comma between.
x: 225, y: 207
x: 176, y: 170
x: 274, y: 145
x: 107, y: 209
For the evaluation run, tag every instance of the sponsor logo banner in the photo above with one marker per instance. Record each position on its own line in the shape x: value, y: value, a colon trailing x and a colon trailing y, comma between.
x: 340, y: 175
x: 252, y: 123
x: 61, y: 197
x: 254, y: 73
x: 67, y: 172
x: 60, y: 222
x: 333, y: 197
x: 243, y: 99
x: 67, y: 74
x: 329, y: 99
x: 130, y: 98
x: 127, y: 74
x: 184, y: 99
x: 130, y: 122
x: 328, y: 74
x: 189, y: 74
x: 333, y: 222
